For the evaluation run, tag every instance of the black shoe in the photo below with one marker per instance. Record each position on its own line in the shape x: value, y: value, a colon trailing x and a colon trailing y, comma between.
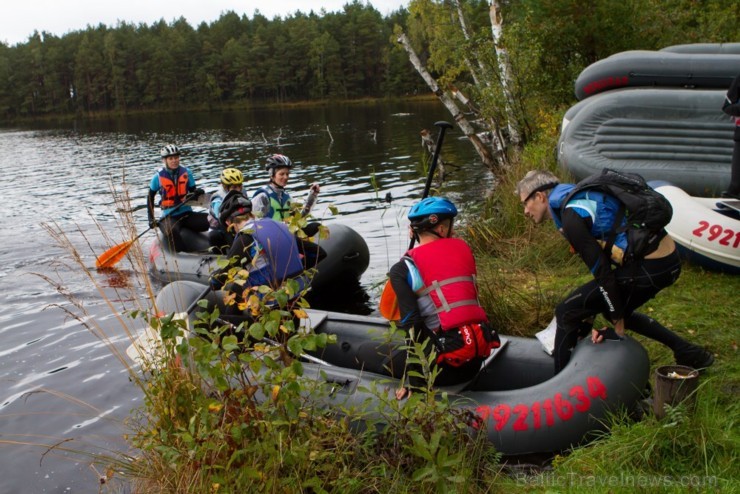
x: 731, y: 195
x: 695, y: 357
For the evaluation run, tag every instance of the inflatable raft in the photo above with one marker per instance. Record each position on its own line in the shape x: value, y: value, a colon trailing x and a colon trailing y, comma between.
x: 347, y: 258
x: 706, y: 230
x: 711, y: 48
x: 658, y: 68
x: 677, y: 135
x: 524, y: 407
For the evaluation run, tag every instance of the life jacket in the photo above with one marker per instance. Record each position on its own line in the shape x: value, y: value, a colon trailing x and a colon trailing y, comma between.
x: 447, y: 270
x: 601, y: 208
x: 173, y: 186
x: 275, y: 255
x: 217, y: 199
x: 279, y: 203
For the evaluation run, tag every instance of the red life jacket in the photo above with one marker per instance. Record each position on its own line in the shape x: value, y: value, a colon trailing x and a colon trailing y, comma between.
x: 173, y: 192
x: 447, y: 268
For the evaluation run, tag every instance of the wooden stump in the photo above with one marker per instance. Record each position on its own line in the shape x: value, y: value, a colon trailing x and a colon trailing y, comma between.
x: 675, y: 384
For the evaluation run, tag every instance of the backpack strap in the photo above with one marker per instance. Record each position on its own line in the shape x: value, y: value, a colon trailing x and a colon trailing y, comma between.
x: 614, y: 230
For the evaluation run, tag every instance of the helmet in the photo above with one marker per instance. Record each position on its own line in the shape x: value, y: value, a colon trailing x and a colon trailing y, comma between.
x: 278, y: 161
x: 231, y: 176
x: 235, y: 204
x: 427, y: 213
x: 170, y: 150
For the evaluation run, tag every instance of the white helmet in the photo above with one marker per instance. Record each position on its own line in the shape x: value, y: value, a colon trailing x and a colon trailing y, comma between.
x: 169, y: 150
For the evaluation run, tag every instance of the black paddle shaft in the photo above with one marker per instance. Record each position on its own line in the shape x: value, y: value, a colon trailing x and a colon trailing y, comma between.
x: 443, y: 126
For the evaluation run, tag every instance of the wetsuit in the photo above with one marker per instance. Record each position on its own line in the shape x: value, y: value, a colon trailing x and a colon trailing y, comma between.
x: 617, y: 290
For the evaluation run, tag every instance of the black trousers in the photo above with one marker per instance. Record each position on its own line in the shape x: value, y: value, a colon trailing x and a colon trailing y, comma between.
x: 171, y: 226
x: 638, y: 283
x: 735, y: 170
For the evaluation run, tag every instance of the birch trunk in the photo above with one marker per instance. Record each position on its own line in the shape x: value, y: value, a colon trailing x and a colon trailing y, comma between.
x: 503, y: 64
x: 449, y: 103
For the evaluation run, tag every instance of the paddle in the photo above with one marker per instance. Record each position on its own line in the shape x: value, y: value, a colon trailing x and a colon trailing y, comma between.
x: 443, y: 126
x: 388, y: 305
x: 112, y: 256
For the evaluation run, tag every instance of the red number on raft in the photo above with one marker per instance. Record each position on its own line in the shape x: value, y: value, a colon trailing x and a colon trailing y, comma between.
x: 714, y: 232
x: 536, y: 415
x: 704, y: 226
x: 583, y: 402
x: 549, y: 415
x: 563, y: 407
x: 728, y: 235
x: 520, y: 424
x: 736, y: 244
x: 596, y: 388
x: 501, y: 415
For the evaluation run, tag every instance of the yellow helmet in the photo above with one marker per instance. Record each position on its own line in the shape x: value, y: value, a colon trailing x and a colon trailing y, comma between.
x: 232, y: 176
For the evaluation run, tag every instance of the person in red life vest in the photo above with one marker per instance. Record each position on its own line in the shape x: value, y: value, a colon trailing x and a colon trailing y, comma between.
x: 435, y: 284
x: 175, y: 185
x: 618, y: 288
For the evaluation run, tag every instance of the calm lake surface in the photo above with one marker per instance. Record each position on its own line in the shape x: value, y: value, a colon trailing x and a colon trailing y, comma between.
x: 59, y: 381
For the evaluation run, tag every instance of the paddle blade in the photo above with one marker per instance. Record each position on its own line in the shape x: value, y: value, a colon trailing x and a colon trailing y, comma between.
x: 389, y: 303
x: 112, y: 256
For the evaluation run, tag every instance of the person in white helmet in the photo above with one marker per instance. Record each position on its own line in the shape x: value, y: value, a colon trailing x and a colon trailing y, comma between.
x: 175, y: 185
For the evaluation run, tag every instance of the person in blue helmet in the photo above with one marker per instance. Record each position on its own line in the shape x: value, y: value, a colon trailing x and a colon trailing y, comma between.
x: 176, y: 186
x: 219, y: 239
x: 618, y: 288
x: 435, y: 284
x: 265, y: 249
x: 272, y: 200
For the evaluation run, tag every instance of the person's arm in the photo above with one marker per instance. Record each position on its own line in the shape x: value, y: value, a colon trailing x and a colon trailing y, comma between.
x: 312, y: 253
x: 151, y: 194
x: 313, y: 194
x: 241, y: 249
x: 260, y: 204
x: 577, y: 230
x: 407, y: 299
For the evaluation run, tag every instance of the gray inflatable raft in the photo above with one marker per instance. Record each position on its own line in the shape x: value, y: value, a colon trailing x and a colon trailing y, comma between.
x: 524, y: 408
x: 677, y: 135
x: 347, y: 258
x: 658, y: 68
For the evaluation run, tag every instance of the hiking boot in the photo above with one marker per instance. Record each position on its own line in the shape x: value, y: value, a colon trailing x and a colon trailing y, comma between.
x: 694, y: 356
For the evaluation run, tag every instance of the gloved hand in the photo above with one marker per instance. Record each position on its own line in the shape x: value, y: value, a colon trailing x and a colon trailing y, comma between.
x: 198, y: 192
x: 153, y: 223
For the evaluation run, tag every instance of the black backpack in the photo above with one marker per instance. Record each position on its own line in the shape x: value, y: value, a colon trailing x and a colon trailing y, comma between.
x: 646, y: 211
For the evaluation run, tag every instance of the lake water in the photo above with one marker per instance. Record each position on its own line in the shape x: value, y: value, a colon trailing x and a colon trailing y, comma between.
x: 59, y: 382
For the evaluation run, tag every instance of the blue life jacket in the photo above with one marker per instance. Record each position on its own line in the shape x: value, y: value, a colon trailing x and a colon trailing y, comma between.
x: 601, y: 208
x: 275, y: 254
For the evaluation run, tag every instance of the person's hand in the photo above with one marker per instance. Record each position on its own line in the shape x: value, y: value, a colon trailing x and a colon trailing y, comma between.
x: 402, y: 393
x: 153, y: 223
x: 597, y: 335
x: 198, y: 192
x: 315, y: 188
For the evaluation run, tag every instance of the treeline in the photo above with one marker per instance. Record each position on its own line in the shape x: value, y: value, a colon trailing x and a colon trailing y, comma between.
x: 345, y: 54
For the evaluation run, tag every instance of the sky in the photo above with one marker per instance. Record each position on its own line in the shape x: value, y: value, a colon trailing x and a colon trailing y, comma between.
x: 19, y: 18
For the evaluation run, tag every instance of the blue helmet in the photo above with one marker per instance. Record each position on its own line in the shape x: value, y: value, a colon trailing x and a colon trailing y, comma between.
x: 427, y: 213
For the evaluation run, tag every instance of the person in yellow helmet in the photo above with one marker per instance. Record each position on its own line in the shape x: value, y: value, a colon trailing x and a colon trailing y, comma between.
x: 220, y: 239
